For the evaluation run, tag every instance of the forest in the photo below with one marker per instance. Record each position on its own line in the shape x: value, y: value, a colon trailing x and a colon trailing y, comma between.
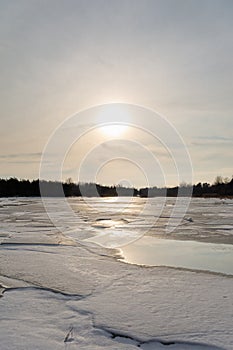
x: 14, y: 187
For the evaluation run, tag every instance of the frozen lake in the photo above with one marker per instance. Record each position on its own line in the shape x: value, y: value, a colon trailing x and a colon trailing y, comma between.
x: 200, y: 239
x: 63, y: 286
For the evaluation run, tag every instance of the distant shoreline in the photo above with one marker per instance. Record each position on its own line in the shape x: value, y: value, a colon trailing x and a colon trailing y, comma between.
x: 14, y: 187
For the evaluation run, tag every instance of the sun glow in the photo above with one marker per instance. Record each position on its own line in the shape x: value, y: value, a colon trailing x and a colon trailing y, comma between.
x: 114, y: 130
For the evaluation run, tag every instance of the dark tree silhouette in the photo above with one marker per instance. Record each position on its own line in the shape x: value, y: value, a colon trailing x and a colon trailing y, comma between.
x: 13, y: 187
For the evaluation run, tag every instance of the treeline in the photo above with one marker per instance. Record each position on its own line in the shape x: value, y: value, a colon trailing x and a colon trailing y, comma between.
x: 222, y: 187
x: 25, y: 188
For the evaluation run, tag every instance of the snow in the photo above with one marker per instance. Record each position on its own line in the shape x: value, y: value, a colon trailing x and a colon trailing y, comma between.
x: 60, y: 292
x: 37, y: 319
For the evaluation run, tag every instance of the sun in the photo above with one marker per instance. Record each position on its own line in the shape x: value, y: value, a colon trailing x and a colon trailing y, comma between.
x: 114, y: 130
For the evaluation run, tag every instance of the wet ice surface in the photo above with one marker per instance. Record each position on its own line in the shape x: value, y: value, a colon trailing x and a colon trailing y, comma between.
x: 64, y: 292
x: 185, y: 254
x: 207, y: 220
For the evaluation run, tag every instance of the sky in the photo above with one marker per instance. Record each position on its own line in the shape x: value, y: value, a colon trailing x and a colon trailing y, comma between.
x: 59, y: 58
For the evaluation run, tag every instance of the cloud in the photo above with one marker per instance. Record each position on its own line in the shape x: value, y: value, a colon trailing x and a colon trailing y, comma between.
x: 21, y: 158
x: 20, y: 155
x: 211, y: 141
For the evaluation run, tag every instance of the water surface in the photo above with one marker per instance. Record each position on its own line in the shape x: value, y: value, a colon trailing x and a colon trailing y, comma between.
x: 193, y: 255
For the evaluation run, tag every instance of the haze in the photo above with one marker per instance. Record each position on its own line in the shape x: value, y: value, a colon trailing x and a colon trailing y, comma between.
x: 60, y: 57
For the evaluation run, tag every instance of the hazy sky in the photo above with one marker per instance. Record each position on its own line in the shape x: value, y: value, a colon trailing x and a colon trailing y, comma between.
x: 60, y: 57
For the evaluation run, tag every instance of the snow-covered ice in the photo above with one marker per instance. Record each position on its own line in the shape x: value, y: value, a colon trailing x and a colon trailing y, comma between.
x: 63, y: 292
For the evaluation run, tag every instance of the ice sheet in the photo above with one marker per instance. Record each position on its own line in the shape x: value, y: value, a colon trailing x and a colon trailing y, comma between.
x: 71, y: 288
